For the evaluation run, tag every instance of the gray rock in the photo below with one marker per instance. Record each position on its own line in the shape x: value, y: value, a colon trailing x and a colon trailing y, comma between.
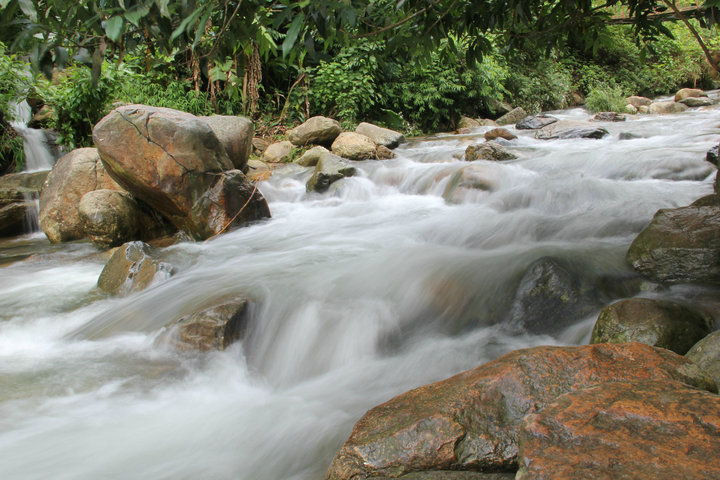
x: 706, y: 354
x: 311, y: 157
x: 329, y: 169
x: 380, y: 136
x: 513, y: 116
x: 131, y: 268
x: 638, y: 102
x: 316, y: 130
x: 236, y: 136
x: 278, y: 152
x: 213, y: 328
x: 712, y: 155
x: 609, y: 117
x: 684, y: 93
x: 667, y: 107
x: 488, y: 151
x: 659, y: 323
x: 354, y: 146
x: 566, y: 129
x: 467, y: 122
x: 535, y: 122
x: 697, y: 102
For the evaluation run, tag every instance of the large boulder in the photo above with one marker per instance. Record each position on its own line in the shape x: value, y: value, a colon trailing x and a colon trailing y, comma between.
x: 111, y: 218
x: 354, y: 146
x: 132, y: 267
x: 236, y: 136
x: 679, y: 245
x: 513, y: 116
x: 565, y: 129
x: 173, y: 162
x: 329, y: 169
x: 471, y: 421
x: 535, y: 122
x: 316, y: 130
x: 379, y: 135
x: 644, y: 429
x: 488, y: 151
x: 684, y: 93
x: 706, y: 354
x: 73, y: 175
x: 667, y: 107
x: 212, y: 328
x: 660, y: 323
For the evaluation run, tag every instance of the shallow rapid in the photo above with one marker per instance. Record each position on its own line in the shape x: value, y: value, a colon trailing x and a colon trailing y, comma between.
x: 359, y: 294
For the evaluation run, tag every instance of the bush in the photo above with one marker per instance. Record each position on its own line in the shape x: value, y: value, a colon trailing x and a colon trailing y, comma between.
x: 15, y: 81
x: 606, y: 99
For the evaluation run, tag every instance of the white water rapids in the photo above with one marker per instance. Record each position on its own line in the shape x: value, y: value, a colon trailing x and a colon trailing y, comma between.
x: 361, y: 293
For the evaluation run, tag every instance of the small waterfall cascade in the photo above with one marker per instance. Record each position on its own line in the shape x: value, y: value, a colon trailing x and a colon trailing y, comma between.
x: 38, y: 156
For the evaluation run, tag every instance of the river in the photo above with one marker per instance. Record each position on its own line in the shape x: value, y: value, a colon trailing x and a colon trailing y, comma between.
x: 359, y: 294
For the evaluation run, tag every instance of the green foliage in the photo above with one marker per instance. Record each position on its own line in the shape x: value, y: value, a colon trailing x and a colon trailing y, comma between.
x: 15, y: 81
x: 12, y: 156
x: 606, y: 98
x: 542, y: 84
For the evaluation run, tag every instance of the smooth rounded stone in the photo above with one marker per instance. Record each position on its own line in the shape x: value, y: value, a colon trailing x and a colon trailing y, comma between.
x: 212, y: 328
x: 316, y: 130
x: 384, y: 153
x: 467, y: 122
x: 685, y: 93
x: 679, y: 245
x: 637, y: 101
x: 233, y: 201
x: 609, y: 117
x: 667, y: 107
x: 311, y: 157
x: 380, y: 136
x: 111, y: 218
x: 488, y: 151
x: 470, y: 180
x: 712, y: 155
x: 496, y: 133
x: 329, y: 169
x: 471, y: 421
x: 132, y: 267
x: 72, y: 176
x: 259, y: 145
x: 628, y: 136
x: 278, y: 152
x: 695, y: 102
x: 173, y: 162
x: 551, y: 295
x: 631, y: 109
x: 565, y: 129
x: 648, y: 429
x: 14, y: 218
x: 235, y: 134
x: 706, y: 354
x: 354, y: 146
x: 486, y: 122
x: 512, y: 117
x: 535, y: 122
x: 660, y: 323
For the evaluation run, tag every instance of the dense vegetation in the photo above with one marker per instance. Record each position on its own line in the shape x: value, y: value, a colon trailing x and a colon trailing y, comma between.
x: 415, y: 65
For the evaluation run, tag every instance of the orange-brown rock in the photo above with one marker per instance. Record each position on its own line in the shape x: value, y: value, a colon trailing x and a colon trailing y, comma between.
x: 496, y: 133
x: 471, y: 421
x: 628, y: 430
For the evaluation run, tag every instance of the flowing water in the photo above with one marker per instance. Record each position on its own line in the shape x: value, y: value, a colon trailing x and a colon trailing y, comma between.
x: 361, y: 293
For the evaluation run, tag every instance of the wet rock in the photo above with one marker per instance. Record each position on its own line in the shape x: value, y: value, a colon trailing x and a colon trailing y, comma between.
x: 609, y: 117
x: 496, y: 133
x: 695, y: 102
x: 513, y: 116
x: 354, y: 146
x: 685, y: 93
x: 278, y: 152
x: 258, y: 170
x: 213, y: 328
x: 535, y: 122
x: 660, y: 323
x: 468, y: 181
x: 626, y: 430
x: 679, y: 245
x: 73, y: 175
x: 132, y: 267
x: 111, y: 218
x: 14, y: 218
x: 173, y: 162
x: 712, y: 155
x: 380, y: 136
x: 706, y: 354
x: 316, y: 130
x: 667, y: 107
x: 311, y: 157
x: 236, y: 136
x: 17, y: 191
x: 467, y: 123
x: 488, y: 151
x: 471, y: 421
x: 452, y: 475
x: 566, y: 129
x: 628, y: 136
x: 329, y: 169
x: 637, y: 101
x: 551, y: 295
x: 384, y: 153
x: 712, y: 200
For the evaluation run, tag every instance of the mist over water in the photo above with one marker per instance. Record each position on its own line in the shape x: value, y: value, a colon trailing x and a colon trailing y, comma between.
x: 359, y: 294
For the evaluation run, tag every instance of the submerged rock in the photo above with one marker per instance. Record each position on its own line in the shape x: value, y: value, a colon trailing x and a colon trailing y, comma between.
x: 131, y: 268
x: 381, y: 136
x: 679, y: 245
x: 470, y: 180
x: 645, y: 429
x: 73, y: 175
x: 488, y: 151
x: 213, y: 328
x: 329, y: 169
x: 316, y: 130
x: 471, y: 421
x: 660, y: 323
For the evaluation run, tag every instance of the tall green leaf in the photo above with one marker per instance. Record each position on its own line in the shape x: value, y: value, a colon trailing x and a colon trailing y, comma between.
x: 292, y: 34
x: 114, y: 28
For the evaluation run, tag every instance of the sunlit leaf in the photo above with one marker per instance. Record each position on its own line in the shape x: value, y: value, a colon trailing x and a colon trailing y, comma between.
x: 114, y: 28
x: 28, y: 8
